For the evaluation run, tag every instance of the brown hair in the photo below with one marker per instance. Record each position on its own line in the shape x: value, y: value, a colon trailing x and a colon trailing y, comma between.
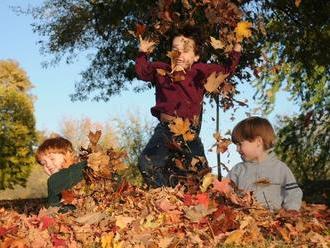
x: 193, y: 33
x: 252, y: 127
x: 55, y: 145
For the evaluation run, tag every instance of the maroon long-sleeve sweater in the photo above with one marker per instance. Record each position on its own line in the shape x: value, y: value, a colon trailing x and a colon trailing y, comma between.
x: 184, y: 98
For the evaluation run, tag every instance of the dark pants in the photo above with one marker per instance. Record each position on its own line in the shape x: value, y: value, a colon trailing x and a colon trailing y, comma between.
x: 156, y: 156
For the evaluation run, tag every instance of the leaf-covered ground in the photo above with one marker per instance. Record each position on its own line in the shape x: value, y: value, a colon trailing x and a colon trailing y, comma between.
x: 113, y: 214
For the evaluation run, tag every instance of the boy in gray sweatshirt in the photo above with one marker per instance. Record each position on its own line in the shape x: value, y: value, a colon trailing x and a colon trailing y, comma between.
x: 272, y: 182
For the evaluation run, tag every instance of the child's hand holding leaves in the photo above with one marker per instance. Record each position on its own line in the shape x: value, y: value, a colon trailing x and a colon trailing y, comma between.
x: 146, y: 46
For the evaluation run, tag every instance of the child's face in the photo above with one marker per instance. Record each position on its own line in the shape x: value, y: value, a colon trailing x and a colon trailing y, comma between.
x: 251, y: 151
x: 186, y: 48
x: 52, y: 162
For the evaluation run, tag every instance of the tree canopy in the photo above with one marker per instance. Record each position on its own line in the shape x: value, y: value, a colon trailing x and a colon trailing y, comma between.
x: 17, y: 125
x: 288, y: 48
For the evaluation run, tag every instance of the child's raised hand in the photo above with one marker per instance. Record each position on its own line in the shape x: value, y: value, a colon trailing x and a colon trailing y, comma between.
x: 146, y: 46
x: 238, y: 47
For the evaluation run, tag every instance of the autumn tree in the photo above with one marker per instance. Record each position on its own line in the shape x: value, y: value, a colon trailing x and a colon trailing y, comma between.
x: 17, y: 125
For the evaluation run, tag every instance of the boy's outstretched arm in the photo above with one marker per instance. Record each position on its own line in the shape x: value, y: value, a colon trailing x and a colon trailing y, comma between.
x: 144, y: 69
x: 292, y: 192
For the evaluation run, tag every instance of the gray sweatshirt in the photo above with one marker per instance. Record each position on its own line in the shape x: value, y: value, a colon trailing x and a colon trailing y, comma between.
x: 272, y: 183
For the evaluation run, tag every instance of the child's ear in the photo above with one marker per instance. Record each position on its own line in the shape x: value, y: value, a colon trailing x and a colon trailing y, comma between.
x: 260, y: 141
x: 196, y: 58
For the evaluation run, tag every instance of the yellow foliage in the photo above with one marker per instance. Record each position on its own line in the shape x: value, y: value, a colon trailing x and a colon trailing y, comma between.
x: 243, y: 30
x: 11, y: 75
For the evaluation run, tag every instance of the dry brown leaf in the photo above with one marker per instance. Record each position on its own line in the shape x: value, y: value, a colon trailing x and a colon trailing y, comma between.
x: 123, y: 221
x: 216, y: 44
x: 214, y: 81
x: 263, y: 181
x: 297, y: 3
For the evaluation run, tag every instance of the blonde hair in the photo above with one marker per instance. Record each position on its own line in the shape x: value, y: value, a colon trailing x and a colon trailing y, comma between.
x: 57, y: 145
x: 253, y: 127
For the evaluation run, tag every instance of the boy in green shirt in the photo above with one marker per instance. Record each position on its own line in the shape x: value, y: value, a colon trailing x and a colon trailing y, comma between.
x: 60, y: 162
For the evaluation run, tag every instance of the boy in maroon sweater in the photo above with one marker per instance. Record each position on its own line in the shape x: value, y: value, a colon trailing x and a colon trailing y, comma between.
x: 179, y: 93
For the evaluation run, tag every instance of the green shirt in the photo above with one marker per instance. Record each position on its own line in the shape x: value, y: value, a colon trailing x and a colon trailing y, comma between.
x: 63, y: 180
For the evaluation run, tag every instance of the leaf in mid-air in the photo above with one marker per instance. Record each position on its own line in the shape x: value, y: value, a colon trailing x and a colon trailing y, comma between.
x: 216, y: 44
x: 243, y: 30
x: 214, y: 81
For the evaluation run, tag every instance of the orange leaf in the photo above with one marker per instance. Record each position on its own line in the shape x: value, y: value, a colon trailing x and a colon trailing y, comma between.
x: 67, y: 196
x: 227, y: 89
x: 181, y: 126
x: 222, y: 145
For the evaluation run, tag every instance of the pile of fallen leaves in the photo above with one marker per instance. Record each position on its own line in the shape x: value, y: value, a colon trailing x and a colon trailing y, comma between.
x: 110, y: 212
x: 116, y: 214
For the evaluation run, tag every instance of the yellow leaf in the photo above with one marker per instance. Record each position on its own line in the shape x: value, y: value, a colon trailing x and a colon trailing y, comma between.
x: 179, y: 126
x: 214, y: 81
x: 234, y: 237
x: 123, y: 221
x: 152, y: 222
x: 106, y: 240
x: 216, y: 44
x: 243, y: 30
x: 207, y: 181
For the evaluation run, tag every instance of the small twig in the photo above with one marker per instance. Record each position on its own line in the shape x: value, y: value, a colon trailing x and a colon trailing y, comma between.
x: 225, y: 167
x: 211, y: 229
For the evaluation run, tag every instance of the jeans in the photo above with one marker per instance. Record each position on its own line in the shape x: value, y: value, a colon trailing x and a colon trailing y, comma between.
x: 156, y: 156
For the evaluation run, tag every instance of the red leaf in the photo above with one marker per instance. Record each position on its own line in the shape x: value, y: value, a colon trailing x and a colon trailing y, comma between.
x: 140, y: 29
x: 203, y: 199
x: 46, y: 222
x: 188, y: 200
x: 3, y: 231
x: 58, y: 242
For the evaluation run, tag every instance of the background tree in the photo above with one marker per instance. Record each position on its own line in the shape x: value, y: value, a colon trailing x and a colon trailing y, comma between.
x: 133, y: 135
x: 17, y: 125
x: 77, y: 132
x: 304, y: 144
x: 130, y: 136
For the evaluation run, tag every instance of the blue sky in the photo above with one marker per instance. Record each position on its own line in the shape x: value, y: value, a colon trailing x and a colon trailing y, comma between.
x: 54, y: 85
